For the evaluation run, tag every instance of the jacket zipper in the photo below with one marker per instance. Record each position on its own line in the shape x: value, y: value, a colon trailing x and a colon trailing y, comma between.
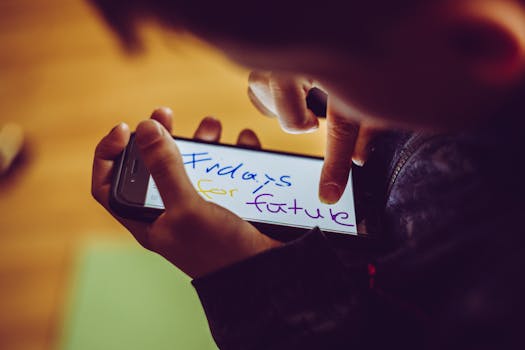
x: 411, y: 146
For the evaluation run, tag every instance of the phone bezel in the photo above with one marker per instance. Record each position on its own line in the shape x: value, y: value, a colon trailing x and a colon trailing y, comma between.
x: 126, y: 208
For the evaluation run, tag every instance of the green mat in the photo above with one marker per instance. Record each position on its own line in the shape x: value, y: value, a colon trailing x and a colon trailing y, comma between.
x: 124, y: 297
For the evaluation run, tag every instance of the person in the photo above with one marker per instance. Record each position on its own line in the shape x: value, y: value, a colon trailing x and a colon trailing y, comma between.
x: 449, y: 192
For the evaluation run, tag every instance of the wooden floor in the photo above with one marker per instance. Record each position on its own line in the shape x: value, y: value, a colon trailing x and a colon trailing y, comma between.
x: 64, y: 79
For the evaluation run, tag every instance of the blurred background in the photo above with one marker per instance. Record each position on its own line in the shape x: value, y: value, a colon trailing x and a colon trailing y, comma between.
x: 65, y: 279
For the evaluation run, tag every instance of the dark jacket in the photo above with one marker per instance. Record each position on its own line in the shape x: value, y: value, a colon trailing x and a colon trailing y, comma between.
x: 444, y: 270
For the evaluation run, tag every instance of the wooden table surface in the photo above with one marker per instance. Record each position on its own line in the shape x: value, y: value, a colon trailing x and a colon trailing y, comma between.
x: 64, y: 79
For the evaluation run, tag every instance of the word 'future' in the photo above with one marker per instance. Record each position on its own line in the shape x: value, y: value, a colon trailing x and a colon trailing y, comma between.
x: 283, y: 208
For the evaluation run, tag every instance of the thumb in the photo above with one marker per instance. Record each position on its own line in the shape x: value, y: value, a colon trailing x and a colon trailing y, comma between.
x: 162, y: 158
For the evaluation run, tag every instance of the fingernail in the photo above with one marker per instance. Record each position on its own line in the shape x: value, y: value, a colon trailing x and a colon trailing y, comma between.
x: 330, y: 193
x: 358, y: 161
x: 147, y: 132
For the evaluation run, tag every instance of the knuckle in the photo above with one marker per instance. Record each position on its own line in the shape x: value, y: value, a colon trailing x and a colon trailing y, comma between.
x: 343, y: 131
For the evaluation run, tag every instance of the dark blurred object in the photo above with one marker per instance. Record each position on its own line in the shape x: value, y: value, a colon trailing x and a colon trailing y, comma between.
x: 11, y: 145
x: 316, y: 102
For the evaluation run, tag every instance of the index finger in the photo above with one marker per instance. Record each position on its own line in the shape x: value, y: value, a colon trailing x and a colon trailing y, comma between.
x: 341, y: 138
x: 103, y: 162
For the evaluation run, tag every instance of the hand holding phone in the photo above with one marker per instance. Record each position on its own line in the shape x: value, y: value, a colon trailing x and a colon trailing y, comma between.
x: 195, y: 235
x: 275, y: 191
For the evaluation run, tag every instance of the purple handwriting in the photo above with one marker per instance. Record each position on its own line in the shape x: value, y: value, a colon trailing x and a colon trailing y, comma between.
x: 234, y: 171
x: 275, y: 207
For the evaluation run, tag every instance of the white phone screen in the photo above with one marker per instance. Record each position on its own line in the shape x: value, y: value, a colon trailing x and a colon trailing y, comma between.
x: 262, y: 187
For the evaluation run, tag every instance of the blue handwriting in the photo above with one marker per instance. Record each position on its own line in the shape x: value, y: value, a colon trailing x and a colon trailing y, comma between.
x: 234, y: 171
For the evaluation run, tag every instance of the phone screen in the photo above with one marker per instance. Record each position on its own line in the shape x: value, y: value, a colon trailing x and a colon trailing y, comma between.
x: 260, y: 186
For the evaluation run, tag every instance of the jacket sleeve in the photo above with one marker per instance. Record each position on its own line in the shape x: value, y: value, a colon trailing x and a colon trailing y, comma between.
x: 300, y: 295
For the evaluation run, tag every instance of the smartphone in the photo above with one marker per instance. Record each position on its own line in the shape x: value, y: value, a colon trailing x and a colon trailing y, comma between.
x: 275, y: 191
